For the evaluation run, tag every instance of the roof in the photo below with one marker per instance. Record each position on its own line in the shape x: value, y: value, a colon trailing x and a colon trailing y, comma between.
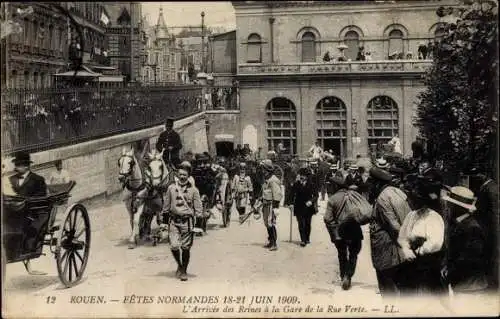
x: 81, y: 73
x: 220, y: 35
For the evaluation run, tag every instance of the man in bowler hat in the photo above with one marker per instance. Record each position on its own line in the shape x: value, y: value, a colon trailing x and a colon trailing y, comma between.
x: 26, y: 183
x: 170, y: 142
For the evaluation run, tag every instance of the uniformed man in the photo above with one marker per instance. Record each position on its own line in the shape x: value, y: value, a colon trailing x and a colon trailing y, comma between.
x: 271, y: 197
x: 170, y: 141
x: 182, y: 203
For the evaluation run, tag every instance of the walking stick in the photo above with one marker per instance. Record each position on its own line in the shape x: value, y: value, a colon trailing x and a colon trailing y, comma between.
x: 291, y: 217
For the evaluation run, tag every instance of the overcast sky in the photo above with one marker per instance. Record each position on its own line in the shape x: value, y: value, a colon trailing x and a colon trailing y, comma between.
x: 217, y: 13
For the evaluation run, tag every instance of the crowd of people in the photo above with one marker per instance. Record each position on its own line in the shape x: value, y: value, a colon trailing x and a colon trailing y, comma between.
x: 425, y: 237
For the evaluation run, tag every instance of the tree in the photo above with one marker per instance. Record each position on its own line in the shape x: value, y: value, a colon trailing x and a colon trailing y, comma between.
x: 458, y: 111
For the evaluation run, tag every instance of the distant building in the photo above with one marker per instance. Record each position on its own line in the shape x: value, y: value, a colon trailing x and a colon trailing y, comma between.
x: 222, y: 57
x: 194, y: 51
x: 161, y: 58
x: 125, y: 36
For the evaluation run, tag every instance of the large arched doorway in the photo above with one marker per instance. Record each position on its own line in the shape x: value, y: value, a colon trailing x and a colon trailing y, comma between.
x: 383, y: 120
x: 281, y: 124
x: 331, y: 124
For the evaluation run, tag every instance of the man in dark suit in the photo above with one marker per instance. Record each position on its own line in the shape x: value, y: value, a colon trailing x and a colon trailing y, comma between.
x: 170, y: 141
x: 303, y: 197
x: 26, y: 183
x: 353, y: 179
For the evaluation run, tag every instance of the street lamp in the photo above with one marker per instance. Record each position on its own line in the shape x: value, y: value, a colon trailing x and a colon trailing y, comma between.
x: 203, y: 41
x: 153, y: 65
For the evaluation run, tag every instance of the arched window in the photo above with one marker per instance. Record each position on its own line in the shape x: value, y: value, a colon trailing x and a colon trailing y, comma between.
x: 308, y: 47
x: 281, y: 124
x: 331, y: 124
x: 439, y: 33
x: 382, y: 118
x: 395, y: 42
x: 351, y: 39
x: 254, y: 48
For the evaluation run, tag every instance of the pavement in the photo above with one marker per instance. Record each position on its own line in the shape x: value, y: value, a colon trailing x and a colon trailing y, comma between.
x: 226, y: 264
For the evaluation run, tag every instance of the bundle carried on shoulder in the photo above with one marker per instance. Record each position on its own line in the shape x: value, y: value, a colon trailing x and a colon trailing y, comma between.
x: 356, y: 207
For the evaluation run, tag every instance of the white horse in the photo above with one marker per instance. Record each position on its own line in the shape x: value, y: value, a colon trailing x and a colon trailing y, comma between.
x: 132, y: 179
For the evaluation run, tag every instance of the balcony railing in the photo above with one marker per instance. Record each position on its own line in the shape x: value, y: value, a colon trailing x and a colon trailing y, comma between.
x: 36, y: 120
x: 398, y: 66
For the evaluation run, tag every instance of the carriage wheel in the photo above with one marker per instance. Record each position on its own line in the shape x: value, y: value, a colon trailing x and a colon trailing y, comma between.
x: 73, y: 245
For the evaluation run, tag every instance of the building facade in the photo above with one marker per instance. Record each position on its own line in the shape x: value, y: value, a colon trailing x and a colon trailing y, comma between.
x: 125, y: 38
x: 32, y: 56
x: 291, y: 94
x: 222, y: 57
x: 161, y: 59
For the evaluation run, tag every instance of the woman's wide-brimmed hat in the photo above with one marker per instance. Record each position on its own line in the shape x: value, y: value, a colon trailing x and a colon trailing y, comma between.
x: 380, y: 174
x: 22, y: 158
x: 382, y: 163
x: 267, y: 164
x: 461, y: 196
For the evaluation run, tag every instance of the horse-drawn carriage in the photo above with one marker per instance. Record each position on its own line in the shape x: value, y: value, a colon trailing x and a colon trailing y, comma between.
x: 30, y: 224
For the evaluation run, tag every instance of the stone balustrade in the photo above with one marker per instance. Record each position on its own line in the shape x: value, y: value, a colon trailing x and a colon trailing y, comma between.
x: 398, y: 66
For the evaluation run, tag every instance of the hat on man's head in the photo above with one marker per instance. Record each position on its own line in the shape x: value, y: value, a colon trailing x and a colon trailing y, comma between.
x: 461, y: 196
x: 169, y: 120
x: 243, y: 165
x: 22, y: 158
x: 380, y: 174
x: 267, y: 164
x: 353, y: 166
x: 338, y: 180
x: 382, y: 163
x: 304, y: 171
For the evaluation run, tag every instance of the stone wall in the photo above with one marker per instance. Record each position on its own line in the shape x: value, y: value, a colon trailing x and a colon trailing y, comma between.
x: 94, y: 165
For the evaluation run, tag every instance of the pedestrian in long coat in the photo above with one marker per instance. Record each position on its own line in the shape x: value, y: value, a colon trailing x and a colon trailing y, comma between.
x: 465, y: 267
x: 389, y: 211
x: 303, y: 196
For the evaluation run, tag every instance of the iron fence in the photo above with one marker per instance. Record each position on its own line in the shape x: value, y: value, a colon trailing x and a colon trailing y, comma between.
x: 36, y: 120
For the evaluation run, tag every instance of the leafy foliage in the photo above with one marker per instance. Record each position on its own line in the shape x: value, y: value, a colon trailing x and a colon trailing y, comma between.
x: 458, y: 111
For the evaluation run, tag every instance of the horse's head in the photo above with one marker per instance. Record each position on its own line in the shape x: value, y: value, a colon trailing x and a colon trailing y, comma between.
x: 156, y: 171
x: 126, y: 164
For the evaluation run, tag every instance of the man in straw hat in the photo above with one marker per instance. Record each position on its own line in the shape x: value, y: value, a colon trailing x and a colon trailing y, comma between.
x: 271, y: 197
x: 26, y: 183
x: 353, y: 179
x: 345, y: 234
x: 390, y: 210
x: 182, y: 202
x: 465, y: 266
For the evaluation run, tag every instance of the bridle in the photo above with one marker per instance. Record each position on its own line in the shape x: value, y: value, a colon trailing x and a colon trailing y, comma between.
x: 125, y: 177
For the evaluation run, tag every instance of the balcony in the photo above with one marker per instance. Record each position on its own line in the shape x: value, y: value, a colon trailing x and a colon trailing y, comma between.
x: 328, y: 68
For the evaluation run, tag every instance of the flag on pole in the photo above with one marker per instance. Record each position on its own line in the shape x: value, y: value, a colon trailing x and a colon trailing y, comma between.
x: 104, y: 18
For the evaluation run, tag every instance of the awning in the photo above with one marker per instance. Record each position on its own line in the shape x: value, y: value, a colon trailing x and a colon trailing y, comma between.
x: 224, y: 137
x: 83, y: 74
x: 105, y: 78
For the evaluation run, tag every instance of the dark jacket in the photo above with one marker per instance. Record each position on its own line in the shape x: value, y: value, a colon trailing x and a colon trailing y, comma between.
x: 167, y: 139
x: 33, y: 186
x: 353, y: 180
x: 300, y: 195
x: 466, y: 263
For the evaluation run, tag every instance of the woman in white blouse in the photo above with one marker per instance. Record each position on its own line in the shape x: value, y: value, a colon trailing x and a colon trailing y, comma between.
x: 421, y: 238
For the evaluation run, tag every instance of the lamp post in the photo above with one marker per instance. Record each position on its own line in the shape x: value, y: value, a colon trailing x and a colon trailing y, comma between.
x: 354, y: 126
x: 203, y: 41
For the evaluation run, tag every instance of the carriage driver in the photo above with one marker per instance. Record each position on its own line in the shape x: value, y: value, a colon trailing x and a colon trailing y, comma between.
x: 170, y: 142
x: 271, y: 197
x: 182, y: 202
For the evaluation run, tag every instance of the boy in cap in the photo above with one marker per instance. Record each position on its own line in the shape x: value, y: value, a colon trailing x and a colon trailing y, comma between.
x: 271, y: 197
x: 242, y: 189
x: 170, y: 141
x: 182, y: 203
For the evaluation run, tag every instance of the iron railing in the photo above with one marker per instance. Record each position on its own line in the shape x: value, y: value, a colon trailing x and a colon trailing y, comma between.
x: 36, y: 120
